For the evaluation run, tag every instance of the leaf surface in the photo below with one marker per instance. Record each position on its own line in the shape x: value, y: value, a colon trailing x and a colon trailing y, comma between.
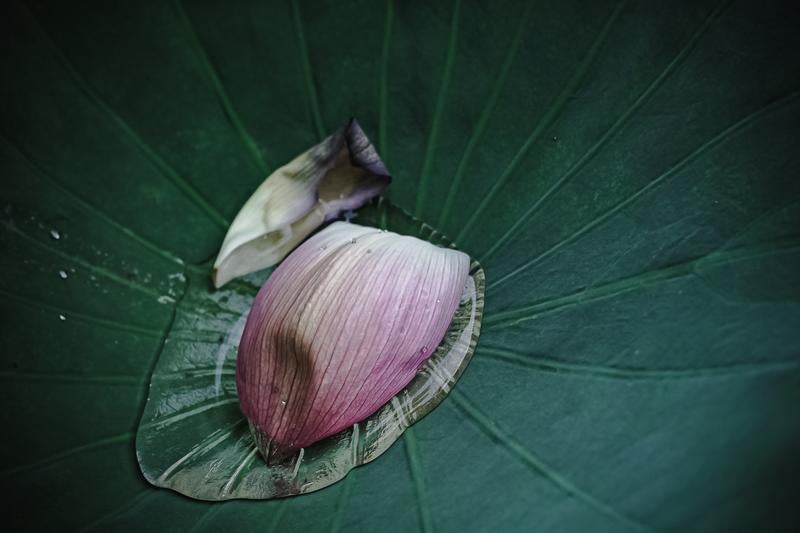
x: 625, y: 172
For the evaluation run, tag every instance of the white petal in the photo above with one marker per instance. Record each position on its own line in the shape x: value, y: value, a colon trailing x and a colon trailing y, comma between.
x: 341, y: 173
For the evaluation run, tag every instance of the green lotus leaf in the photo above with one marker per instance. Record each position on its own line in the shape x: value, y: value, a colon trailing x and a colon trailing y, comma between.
x: 194, y: 439
x: 625, y: 172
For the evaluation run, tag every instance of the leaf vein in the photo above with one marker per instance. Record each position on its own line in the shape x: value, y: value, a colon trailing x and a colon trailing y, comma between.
x: 183, y: 415
x: 205, y: 517
x: 89, y: 446
x: 276, y: 519
x: 676, y: 168
x: 341, y: 503
x: 485, y: 115
x: 219, y: 89
x: 416, y: 471
x: 238, y: 471
x: 209, y: 443
x: 492, y: 430
x: 100, y: 271
x: 614, y: 372
x: 152, y: 156
x: 128, y: 232
x: 548, y: 118
x: 438, y: 109
x: 128, y: 505
x: 609, y: 134
x: 305, y: 64
x: 49, y: 377
x: 650, y: 278
x: 383, y: 120
x: 104, y: 322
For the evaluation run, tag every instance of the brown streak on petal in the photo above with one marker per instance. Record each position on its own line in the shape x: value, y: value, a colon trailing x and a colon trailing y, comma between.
x: 336, y: 331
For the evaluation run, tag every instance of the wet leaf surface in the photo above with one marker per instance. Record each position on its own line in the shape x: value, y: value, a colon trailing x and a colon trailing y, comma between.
x: 625, y: 173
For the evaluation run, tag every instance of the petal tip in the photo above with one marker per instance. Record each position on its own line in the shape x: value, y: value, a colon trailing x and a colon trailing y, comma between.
x: 216, y: 279
x: 341, y: 173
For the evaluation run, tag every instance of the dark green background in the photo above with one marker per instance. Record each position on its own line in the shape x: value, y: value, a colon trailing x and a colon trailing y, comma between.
x: 627, y: 174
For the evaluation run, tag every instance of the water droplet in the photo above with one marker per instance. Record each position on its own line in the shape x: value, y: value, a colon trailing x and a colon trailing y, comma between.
x: 55, y: 235
x: 283, y: 402
x: 62, y: 317
x: 438, y: 301
x: 323, y: 247
x: 63, y: 274
x: 555, y: 138
x: 166, y: 299
x: 352, y: 241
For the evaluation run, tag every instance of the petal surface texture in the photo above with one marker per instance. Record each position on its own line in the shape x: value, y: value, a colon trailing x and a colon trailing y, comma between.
x: 341, y: 326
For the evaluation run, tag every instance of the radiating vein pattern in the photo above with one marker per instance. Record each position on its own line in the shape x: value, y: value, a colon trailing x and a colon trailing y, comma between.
x: 236, y: 473
x: 491, y: 429
x: 277, y: 516
x: 58, y: 456
x: 155, y: 159
x: 342, y: 503
x: 219, y: 89
x: 615, y: 372
x: 485, y: 115
x: 636, y: 282
x: 417, y: 472
x: 96, y: 269
x: 308, y: 75
x: 88, y: 206
x: 383, y: 96
x: 81, y: 317
x: 626, y: 169
x: 212, y: 441
x: 608, y: 135
x: 205, y: 518
x: 438, y: 110
x: 544, y: 122
x: 183, y: 415
x: 659, y: 180
x: 126, y: 507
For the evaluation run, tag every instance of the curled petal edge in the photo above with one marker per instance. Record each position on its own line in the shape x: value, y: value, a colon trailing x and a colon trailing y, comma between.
x: 341, y: 173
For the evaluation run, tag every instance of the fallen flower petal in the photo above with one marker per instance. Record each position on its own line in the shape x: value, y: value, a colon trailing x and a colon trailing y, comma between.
x: 339, y: 174
x: 341, y: 326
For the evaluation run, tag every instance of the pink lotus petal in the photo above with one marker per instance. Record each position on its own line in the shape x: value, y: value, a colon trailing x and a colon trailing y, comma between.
x: 341, y: 326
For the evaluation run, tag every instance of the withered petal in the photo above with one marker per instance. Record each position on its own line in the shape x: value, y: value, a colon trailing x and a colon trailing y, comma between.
x: 341, y: 173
